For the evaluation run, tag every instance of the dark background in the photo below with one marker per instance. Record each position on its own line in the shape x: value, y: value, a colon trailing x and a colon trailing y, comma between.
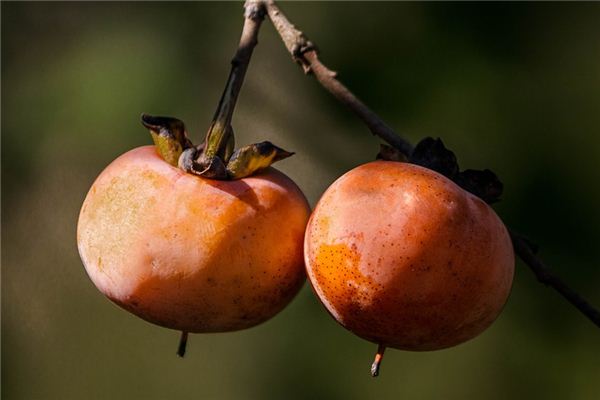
x: 510, y: 87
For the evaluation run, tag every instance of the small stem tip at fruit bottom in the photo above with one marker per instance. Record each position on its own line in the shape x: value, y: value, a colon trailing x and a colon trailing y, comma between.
x: 377, y: 362
x: 182, y: 344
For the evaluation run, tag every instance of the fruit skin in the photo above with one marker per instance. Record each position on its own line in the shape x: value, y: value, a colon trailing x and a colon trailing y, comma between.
x: 190, y: 253
x: 402, y: 256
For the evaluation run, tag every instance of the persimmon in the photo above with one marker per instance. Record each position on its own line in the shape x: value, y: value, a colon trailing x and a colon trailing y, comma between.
x: 403, y: 257
x: 194, y: 242
x: 191, y: 253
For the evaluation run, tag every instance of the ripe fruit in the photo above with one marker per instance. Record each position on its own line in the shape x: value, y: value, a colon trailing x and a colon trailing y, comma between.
x: 190, y: 253
x: 403, y: 257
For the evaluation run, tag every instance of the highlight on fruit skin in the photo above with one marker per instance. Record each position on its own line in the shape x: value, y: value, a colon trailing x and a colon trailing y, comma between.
x: 403, y: 257
x: 190, y: 253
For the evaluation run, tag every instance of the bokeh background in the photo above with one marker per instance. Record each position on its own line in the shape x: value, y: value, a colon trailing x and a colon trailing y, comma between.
x: 510, y: 87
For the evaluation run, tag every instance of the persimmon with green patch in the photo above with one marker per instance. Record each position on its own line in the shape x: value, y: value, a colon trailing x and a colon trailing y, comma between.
x: 187, y: 252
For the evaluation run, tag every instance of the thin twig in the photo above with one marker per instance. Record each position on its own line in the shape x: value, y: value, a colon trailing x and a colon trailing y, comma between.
x: 254, y: 13
x: 219, y: 140
x: 182, y: 344
x: 547, y: 277
x: 304, y: 52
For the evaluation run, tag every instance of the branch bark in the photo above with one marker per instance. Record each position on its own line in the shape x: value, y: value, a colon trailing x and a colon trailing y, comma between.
x: 219, y: 140
x: 254, y: 13
x: 545, y: 275
x: 305, y: 53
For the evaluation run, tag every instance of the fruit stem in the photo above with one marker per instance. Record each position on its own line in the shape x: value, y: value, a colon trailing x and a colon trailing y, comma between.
x: 377, y: 362
x: 220, y: 133
x: 182, y: 344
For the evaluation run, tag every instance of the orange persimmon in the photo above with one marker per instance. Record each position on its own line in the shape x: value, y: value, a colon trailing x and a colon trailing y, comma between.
x: 190, y: 253
x: 403, y: 257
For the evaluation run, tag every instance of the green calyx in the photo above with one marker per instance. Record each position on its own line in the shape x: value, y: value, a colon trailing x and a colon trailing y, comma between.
x: 216, y: 158
x: 169, y: 136
x: 248, y: 159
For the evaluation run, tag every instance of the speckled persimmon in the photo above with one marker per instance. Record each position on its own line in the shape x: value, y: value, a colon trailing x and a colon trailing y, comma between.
x: 190, y: 253
x: 403, y: 257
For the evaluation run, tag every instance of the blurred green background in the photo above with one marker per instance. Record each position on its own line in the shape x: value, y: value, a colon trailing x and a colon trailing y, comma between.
x: 511, y: 87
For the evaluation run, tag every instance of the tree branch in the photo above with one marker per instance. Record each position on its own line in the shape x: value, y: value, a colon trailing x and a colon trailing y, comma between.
x: 219, y: 140
x: 304, y: 52
x: 545, y: 275
x: 254, y: 13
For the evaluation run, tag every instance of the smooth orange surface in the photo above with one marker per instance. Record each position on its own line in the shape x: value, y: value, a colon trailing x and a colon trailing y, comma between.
x: 403, y: 257
x: 190, y: 253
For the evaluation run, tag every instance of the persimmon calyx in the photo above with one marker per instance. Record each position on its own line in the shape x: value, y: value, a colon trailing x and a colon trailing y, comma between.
x: 248, y: 159
x: 244, y: 162
x: 431, y: 153
x: 216, y: 158
x: 169, y: 136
